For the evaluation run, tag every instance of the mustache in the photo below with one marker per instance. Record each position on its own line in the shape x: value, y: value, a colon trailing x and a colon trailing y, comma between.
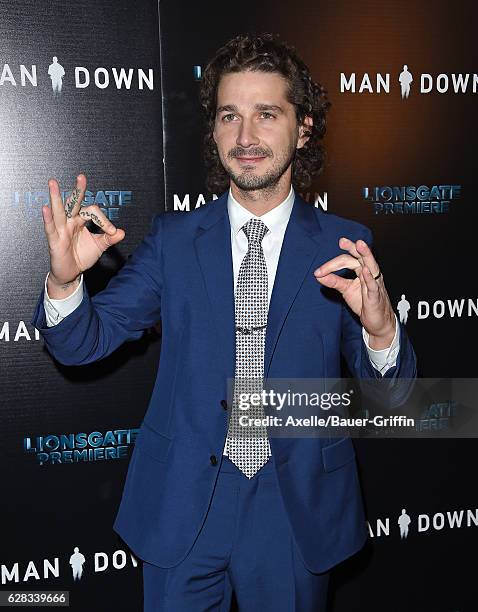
x: 252, y: 152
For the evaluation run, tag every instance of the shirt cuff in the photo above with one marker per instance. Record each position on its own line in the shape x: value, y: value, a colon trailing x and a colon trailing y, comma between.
x: 386, y: 358
x: 57, y: 310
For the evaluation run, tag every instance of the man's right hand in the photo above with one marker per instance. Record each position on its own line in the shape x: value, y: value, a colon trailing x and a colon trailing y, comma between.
x: 73, y: 248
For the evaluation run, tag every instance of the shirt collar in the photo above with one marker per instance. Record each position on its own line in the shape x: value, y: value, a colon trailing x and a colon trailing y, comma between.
x: 276, y: 219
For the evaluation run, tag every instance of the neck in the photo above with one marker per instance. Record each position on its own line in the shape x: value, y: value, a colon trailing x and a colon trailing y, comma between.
x: 260, y: 201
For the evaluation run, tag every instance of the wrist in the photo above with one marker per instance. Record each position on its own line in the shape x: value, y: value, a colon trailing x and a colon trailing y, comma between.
x: 384, y: 339
x: 58, y: 290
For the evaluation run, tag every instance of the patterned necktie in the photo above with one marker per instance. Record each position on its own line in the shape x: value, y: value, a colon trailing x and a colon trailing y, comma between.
x: 248, y: 446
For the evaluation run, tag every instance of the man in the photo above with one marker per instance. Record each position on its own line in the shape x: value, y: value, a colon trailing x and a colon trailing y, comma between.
x: 242, y: 286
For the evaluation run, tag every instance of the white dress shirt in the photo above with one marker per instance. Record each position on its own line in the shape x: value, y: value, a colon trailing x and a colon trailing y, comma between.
x: 276, y: 220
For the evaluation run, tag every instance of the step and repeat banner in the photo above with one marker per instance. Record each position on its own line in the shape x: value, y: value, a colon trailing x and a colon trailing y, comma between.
x: 402, y: 81
x: 111, y: 89
x: 80, y: 90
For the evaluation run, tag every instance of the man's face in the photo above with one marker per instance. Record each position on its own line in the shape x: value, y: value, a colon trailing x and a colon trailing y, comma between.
x: 256, y: 129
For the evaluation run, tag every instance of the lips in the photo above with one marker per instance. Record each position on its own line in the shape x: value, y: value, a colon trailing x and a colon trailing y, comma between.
x: 250, y: 159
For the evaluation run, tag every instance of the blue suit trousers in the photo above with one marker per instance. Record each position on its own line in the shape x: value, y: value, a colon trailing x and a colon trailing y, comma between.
x: 245, y: 545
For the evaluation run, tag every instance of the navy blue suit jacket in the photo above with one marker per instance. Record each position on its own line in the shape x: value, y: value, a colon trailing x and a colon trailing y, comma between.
x: 182, y: 274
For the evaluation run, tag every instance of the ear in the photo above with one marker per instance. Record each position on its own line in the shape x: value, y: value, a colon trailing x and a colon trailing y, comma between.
x: 304, y: 131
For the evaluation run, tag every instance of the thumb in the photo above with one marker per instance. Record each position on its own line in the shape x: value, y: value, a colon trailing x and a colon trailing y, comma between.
x: 334, y: 281
x: 116, y: 236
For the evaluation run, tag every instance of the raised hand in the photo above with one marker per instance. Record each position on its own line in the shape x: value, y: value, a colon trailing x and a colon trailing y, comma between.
x: 365, y: 295
x: 73, y: 248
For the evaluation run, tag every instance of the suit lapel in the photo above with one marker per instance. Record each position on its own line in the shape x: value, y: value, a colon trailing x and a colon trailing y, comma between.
x: 300, y: 247
x: 213, y: 250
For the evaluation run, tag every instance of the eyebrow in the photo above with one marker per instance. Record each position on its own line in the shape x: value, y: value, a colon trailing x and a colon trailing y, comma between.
x: 232, y: 108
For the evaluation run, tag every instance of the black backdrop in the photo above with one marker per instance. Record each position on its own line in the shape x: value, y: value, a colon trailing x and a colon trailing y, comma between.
x: 120, y: 137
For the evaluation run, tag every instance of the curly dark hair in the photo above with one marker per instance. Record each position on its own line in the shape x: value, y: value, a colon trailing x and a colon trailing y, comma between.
x: 266, y: 53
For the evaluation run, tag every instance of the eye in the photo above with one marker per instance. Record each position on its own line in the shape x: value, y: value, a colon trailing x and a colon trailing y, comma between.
x: 228, y: 118
x: 267, y: 115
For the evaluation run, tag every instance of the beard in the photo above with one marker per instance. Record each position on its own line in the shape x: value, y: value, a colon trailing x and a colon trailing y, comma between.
x: 248, y: 179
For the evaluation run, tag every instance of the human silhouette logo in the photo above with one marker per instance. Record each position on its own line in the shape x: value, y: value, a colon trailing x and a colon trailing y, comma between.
x: 405, y: 79
x: 403, y: 308
x: 404, y: 521
x: 76, y: 562
x: 56, y: 72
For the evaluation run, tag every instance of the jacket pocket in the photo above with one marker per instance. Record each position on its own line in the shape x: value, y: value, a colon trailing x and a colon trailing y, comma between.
x: 153, y: 443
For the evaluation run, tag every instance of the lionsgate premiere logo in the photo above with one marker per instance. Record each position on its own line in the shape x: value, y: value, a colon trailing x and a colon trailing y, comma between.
x: 406, y: 82
x: 80, y: 447
x: 62, y: 77
x: 455, y: 308
x: 77, y: 564
x: 30, y: 202
x: 411, y: 199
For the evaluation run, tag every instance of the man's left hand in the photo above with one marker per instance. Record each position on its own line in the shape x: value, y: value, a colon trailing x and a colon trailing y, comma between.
x: 365, y: 295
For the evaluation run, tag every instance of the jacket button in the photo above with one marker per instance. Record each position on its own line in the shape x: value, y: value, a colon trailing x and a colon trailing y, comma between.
x: 224, y: 404
x: 213, y: 459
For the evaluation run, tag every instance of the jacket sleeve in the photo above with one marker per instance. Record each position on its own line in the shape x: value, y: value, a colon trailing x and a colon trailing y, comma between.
x: 129, y: 304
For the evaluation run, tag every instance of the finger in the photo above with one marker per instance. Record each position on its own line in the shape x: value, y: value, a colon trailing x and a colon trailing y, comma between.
x: 111, y: 235
x: 56, y: 204
x: 371, y: 285
x: 49, y: 225
x: 368, y: 258
x: 97, y: 216
x: 73, y: 202
x: 333, y: 281
x: 349, y: 245
x: 104, y: 241
x: 363, y: 288
x: 337, y: 263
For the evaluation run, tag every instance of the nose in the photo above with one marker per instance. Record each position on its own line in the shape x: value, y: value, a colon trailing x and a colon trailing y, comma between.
x: 247, y: 135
